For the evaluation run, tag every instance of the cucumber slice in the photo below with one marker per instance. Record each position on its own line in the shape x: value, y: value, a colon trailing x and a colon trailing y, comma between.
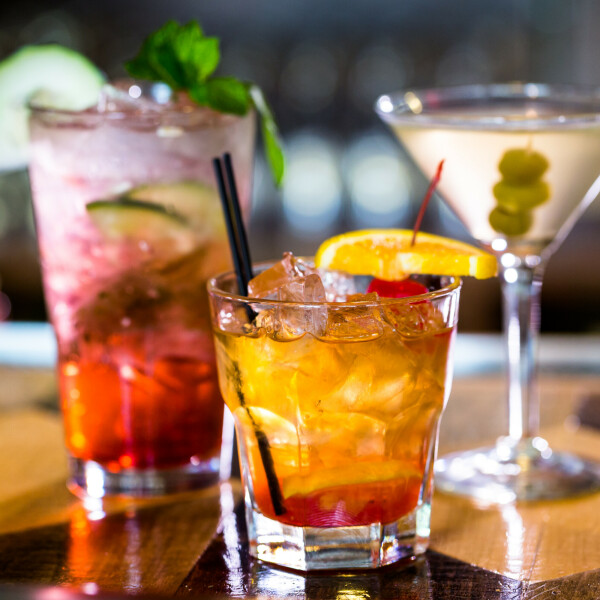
x: 50, y: 75
x: 142, y: 221
x: 199, y: 204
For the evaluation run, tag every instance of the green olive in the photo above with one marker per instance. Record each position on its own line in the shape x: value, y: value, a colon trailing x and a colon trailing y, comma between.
x: 510, y: 224
x: 522, y: 166
x: 516, y: 198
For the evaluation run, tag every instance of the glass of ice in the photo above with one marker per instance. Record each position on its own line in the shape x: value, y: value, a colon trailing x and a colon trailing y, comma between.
x: 130, y: 228
x: 337, y: 397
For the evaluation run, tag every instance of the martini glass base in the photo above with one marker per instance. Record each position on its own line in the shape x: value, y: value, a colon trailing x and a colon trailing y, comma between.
x: 512, y: 471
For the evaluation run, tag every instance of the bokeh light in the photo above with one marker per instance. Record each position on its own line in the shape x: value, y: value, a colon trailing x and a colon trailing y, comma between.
x: 312, y: 194
x: 377, y: 179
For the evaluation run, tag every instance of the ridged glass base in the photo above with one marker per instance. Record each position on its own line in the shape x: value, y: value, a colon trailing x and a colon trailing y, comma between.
x: 92, y: 480
x: 508, y: 472
x: 363, y: 547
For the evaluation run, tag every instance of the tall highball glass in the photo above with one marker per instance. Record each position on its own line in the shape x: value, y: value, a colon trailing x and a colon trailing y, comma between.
x: 130, y: 228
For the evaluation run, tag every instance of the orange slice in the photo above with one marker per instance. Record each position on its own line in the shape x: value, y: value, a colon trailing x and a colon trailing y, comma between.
x: 387, y: 254
x: 355, y: 474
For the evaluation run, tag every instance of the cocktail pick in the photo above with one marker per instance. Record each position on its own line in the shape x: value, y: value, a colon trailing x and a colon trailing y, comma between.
x: 432, y: 185
x: 240, y: 252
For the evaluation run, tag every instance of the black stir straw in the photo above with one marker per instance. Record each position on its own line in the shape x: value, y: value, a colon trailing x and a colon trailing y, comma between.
x: 237, y: 215
x: 236, y: 232
x: 238, y: 242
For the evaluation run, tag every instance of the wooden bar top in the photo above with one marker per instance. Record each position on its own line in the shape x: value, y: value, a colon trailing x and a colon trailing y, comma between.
x: 194, y: 544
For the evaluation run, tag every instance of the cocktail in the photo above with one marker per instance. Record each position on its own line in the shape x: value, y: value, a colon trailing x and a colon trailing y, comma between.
x: 336, y: 396
x: 521, y: 165
x: 130, y: 228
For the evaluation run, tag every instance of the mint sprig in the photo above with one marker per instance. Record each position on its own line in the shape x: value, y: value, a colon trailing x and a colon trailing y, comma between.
x: 185, y: 59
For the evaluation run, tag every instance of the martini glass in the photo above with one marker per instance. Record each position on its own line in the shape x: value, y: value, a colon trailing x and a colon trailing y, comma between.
x: 522, y: 163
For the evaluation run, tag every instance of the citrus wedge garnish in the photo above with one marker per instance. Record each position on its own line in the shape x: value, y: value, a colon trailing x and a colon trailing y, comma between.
x: 198, y: 203
x: 48, y: 75
x: 388, y: 254
x: 355, y: 474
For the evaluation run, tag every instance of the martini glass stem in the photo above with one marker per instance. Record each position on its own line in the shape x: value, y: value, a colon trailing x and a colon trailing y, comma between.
x: 521, y: 287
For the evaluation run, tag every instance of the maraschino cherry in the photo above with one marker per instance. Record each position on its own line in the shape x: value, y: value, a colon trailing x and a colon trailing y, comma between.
x: 407, y: 287
x: 396, y: 289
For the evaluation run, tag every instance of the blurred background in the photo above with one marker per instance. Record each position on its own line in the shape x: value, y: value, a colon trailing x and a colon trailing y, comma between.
x: 322, y: 64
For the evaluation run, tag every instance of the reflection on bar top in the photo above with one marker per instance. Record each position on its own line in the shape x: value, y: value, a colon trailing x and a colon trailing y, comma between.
x: 33, y: 345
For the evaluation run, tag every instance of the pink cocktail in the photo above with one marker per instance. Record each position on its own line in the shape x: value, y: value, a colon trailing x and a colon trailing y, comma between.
x: 130, y: 228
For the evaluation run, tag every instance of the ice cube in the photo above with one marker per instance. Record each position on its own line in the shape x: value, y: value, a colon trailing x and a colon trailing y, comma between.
x: 412, y: 320
x: 338, y: 284
x: 287, y: 323
x: 303, y: 289
x: 303, y: 319
x: 233, y: 317
x: 357, y: 323
x: 269, y: 322
x: 380, y: 378
x: 286, y: 282
x: 334, y: 437
x: 301, y: 267
x: 267, y: 283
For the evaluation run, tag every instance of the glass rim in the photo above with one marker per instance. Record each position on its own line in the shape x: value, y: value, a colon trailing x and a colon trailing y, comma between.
x: 452, y: 285
x: 196, y: 115
x: 403, y: 107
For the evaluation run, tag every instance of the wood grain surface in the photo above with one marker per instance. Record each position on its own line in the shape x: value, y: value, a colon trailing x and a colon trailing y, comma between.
x: 194, y: 544
x: 227, y: 570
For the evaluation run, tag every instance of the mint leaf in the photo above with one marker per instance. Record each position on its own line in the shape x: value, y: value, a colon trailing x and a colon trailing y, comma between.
x: 274, y: 151
x: 223, y: 94
x: 199, y: 55
x: 165, y: 34
x: 149, y: 64
x: 180, y: 56
x: 169, y: 69
x: 185, y: 59
x: 270, y: 135
x: 139, y: 68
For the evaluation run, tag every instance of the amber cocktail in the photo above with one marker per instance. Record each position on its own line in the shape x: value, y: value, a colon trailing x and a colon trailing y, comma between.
x: 337, y: 397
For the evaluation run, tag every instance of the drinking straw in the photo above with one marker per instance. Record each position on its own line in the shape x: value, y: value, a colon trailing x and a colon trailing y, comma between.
x: 232, y: 230
x: 238, y: 242
x: 237, y: 214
